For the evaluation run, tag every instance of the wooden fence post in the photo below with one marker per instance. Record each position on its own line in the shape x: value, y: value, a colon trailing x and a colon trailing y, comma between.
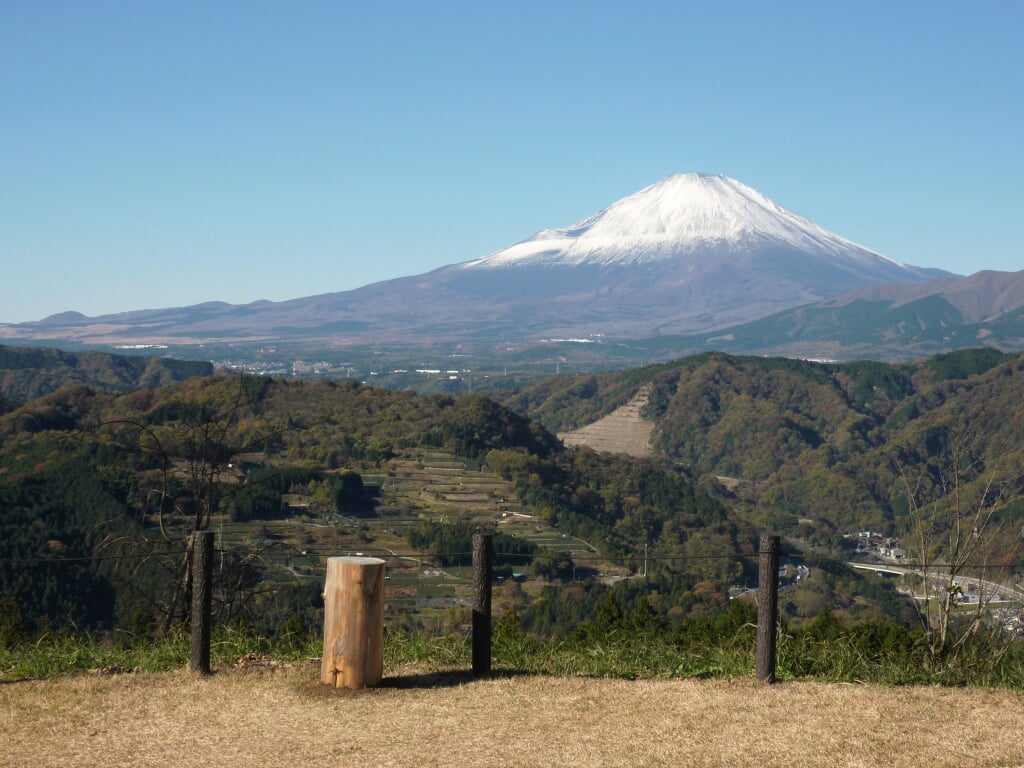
x: 353, y: 623
x: 483, y: 576
x: 202, y: 569
x: 767, y: 608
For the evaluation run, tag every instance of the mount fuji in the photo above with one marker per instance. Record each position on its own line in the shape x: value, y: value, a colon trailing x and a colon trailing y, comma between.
x: 681, y: 217
x: 689, y: 254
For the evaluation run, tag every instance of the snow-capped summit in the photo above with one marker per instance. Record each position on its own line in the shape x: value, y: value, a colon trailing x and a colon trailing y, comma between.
x: 681, y: 215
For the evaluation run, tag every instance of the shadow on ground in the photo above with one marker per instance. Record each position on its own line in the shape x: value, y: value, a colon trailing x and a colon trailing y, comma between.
x: 423, y: 681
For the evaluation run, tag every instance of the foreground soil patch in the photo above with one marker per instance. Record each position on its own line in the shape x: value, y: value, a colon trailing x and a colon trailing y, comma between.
x: 284, y: 718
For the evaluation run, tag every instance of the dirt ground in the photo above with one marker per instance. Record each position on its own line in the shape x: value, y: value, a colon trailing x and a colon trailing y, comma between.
x: 283, y: 717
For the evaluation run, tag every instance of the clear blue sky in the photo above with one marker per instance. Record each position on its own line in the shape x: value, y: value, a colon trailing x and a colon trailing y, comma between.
x: 165, y: 154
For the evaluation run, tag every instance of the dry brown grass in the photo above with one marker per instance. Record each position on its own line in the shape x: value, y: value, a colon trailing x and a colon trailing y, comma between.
x: 623, y: 430
x: 284, y: 718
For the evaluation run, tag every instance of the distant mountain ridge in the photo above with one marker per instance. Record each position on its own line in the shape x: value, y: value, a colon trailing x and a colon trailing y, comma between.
x: 892, y: 322
x: 980, y: 297
x: 689, y: 254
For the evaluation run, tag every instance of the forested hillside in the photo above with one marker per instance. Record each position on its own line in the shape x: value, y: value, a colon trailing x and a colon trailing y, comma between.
x: 30, y: 372
x: 106, y: 488
x: 99, y: 491
x: 812, y: 449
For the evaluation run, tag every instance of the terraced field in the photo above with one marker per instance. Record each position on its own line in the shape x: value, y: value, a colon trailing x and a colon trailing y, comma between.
x: 438, y: 487
x: 444, y: 488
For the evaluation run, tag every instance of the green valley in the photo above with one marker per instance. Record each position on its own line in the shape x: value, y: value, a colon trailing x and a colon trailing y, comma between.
x: 99, y: 492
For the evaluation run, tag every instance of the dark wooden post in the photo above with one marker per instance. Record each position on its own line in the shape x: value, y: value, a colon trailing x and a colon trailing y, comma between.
x: 202, y: 569
x: 767, y: 608
x: 483, y: 576
x: 353, y: 623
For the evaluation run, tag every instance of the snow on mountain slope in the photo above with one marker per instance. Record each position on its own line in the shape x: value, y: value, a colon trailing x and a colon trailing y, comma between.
x: 679, y: 215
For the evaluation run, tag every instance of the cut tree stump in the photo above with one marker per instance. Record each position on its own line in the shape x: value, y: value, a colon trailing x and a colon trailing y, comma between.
x: 353, y: 623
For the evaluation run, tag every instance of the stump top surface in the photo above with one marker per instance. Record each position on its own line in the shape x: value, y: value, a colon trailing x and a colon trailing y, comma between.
x: 356, y: 560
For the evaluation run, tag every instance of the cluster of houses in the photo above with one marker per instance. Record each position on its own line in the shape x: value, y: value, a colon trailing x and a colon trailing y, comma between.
x: 884, y: 547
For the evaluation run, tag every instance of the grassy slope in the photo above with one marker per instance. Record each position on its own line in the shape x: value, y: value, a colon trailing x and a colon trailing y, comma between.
x: 285, y: 718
